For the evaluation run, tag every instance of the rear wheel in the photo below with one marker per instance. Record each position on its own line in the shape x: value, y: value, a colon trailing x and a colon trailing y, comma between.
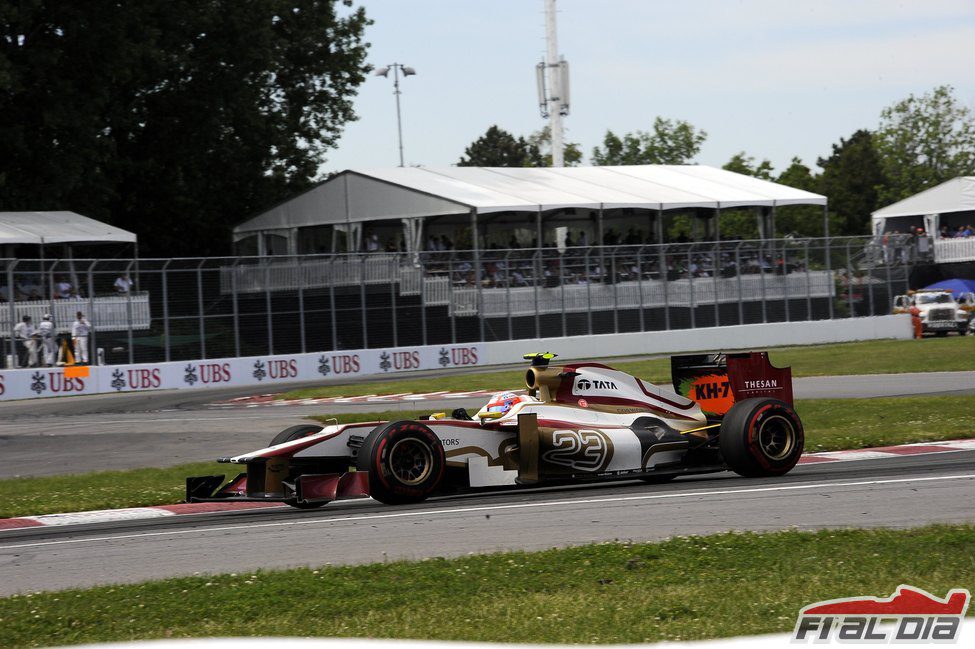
x: 761, y: 437
x: 405, y: 461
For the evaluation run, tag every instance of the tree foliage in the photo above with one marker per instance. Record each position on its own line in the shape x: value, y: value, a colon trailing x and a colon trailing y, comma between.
x: 172, y: 119
x: 571, y: 152
x: 923, y: 141
x: 745, y: 164
x: 670, y: 142
x: 852, y: 178
x: 499, y: 148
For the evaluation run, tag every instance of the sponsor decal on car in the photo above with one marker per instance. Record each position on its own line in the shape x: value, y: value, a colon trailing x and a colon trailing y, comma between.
x: 909, y: 615
x: 711, y: 391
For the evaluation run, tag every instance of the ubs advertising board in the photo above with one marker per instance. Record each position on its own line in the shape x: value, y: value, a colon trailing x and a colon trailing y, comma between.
x: 254, y: 370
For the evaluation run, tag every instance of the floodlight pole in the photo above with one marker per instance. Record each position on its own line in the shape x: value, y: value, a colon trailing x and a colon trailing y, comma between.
x: 407, y: 71
x: 552, y: 70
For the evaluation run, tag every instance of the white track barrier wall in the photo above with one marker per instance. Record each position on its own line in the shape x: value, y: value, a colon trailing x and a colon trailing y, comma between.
x: 275, y: 372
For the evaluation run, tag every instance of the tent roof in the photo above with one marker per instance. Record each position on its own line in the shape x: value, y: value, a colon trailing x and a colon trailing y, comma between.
x: 955, y: 195
x: 404, y: 192
x: 956, y: 286
x: 58, y: 227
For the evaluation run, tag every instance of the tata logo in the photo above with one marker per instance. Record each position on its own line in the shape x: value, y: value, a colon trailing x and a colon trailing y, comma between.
x: 586, y: 384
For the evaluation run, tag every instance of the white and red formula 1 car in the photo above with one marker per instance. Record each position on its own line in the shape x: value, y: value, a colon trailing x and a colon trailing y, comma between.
x: 578, y: 422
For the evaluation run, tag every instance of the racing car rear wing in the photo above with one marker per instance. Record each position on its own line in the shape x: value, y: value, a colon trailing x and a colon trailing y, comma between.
x: 717, y: 381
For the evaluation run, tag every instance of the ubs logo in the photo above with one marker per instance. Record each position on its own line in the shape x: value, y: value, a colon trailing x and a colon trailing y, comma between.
x: 586, y: 384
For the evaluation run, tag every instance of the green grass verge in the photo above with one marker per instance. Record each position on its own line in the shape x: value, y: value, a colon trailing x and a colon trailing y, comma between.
x: 831, y: 425
x: 869, y: 357
x: 684, y: 588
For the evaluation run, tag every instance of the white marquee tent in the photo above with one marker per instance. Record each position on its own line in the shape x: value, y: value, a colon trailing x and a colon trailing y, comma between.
x: 413, y: 194
x: 948, y: 198
x: 45, y: 228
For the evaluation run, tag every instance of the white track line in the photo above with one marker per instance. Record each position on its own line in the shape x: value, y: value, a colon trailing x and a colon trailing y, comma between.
x: 492, y: 508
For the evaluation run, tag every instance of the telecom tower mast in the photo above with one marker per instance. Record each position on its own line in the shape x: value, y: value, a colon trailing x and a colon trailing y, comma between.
x: 552, y: 76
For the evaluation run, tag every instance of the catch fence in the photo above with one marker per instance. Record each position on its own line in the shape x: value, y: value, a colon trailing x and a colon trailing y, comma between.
x: 190, y: 309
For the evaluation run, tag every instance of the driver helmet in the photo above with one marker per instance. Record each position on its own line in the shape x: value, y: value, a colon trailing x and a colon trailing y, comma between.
x: 501, y: 403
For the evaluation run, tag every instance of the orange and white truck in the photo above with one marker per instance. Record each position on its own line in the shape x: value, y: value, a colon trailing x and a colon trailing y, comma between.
x: 938, y: 310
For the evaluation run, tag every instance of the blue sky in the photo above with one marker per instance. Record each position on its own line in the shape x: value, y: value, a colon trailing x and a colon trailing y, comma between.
x: 773, y: 78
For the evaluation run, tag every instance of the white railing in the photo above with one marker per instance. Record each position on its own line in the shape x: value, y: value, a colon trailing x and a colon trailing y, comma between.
x: 953, y: 250
x: 579, y: 298
x: 287, y: 274
x: 110, y: 313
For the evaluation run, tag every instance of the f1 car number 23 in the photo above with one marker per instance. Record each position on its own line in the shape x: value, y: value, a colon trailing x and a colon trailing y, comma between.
x: 581, y: 450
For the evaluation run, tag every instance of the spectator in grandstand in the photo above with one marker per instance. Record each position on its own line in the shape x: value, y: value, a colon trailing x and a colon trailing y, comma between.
x: 943, y: 232
x: 372, y: 243
x: 445, y: 243
x: 27, y: 342
x: 123, y: 284
x: 62, y: 288
x: 79, y: 335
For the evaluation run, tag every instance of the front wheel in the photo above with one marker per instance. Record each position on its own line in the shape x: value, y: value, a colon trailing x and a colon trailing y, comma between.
x: 761, y: 437
x: 405, y: 461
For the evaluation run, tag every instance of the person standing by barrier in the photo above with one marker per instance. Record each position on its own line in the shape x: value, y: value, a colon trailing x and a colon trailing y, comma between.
x: 46, y: 333
x: 24, y: 334
x: 79, y: 334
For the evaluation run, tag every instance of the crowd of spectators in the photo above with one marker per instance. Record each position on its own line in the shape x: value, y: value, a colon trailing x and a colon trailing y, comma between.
x: 961, y: 232
x: 31, y: 287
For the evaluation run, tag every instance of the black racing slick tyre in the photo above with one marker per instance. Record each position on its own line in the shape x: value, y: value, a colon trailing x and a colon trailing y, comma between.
x: 293, y: 433
x: 405, y: 461
x: 761, y: 437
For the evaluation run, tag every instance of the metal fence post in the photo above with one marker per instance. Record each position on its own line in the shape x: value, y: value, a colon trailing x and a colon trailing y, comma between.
x: 507, y: 292
x: 301, y: 303
x: 392, y: 302
x: 199, y: 305
x: 741, y: 304
x: 715, y: 268
x: 690, y: 285
x: 165, y: 307
x: 91, y: 309
x: 639, y: 282
x: 588, y: 292
x: 809, y: 315
x: 233, y: 304
x: 452, y: 307
x: 537, y: 263
x: 423, y: 297
x: 12, y: 298
x: 785, y: 281
x: 761, y: 274
x: 362, y: 302
x: 612, y: 277
x: 849, y: 281
x: 331, y: 297
x: 128, y: 308
x: 664, y: 277
x: 562, y: 286
x: 829, y: 262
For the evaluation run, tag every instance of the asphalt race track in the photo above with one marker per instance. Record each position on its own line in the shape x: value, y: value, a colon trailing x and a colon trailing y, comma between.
x: 70, y: 435
x: 898, y: 492
x: 124, y: 431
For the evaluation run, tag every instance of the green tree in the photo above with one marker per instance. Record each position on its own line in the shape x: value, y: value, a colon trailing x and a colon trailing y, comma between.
x: 799, y: 220
x: 924, y: 141
x: 743, y: 224
x: 670, y: 142
x: 851, y: 179
x: 176, y: 119
x: 571, y: 153
x: 499, y: 148
x: 745, y: 164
